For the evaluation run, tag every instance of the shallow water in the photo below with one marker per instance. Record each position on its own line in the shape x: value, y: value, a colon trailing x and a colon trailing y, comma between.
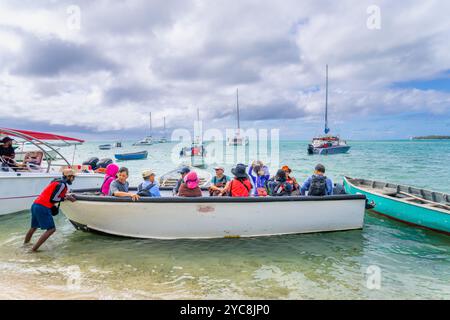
x: 414, y: 263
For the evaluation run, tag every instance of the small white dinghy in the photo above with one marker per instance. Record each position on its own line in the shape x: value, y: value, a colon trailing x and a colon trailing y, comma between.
x: 171, y: 217
x: 170, y: 178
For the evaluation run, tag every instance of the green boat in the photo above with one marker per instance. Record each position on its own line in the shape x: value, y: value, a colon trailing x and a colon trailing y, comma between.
x: 414, y: 206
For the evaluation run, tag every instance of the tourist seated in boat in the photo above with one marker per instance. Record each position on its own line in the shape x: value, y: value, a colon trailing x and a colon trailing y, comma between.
x: 183, y: 172
x: 259, y: 175
x: 190, y: 186
x: 149, y: 187
x: 119, y: 187
x: 218, y: 182
x: 7, y: 154
x: 291, y: 180
x: 317, y: 184
x: 111, y: 174
x: 240, y: 186
x: 278, y: 186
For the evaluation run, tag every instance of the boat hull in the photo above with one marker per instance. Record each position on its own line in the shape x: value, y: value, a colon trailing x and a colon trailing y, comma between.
x: 198, y: 218
x: 405, y: 212
x: 17, y: 193
x: 330, y: 150
x: 131, y: 156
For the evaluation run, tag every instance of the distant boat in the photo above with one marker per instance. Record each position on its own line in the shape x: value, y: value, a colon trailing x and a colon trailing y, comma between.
x: 147, y: 141
x: 196, y: 152
x: 237, y: 139
x: 170, y: 178
x: 132, y: 156
x: 163, y: 139
x: 327, y: 144
x: 419, y: 207
x: 118, y: 144
x: 105, y: 146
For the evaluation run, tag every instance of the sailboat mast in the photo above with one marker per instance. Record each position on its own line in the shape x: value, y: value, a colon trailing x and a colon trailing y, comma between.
x: 151, y: 128
x: 326, y: 103
x: 237, y: 107
x: 198, y: 114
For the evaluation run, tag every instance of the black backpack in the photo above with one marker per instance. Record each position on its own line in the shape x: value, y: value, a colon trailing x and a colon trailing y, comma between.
x: 145, y: 192
x: 318, y: 186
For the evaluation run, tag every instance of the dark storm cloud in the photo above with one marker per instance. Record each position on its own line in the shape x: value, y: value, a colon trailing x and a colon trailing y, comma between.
x: 130, y: 93
x: 51, y: 57
x: 269, y: 111
x: 228, y: 63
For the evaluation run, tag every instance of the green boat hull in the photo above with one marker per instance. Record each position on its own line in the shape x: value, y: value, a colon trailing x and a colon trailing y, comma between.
x: 405, y: 212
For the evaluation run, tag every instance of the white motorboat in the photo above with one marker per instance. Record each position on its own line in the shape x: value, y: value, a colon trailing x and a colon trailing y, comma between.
x: 171, y: 217
x: 19, y: 188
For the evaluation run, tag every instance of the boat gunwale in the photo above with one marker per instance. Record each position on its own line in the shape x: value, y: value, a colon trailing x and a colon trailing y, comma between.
x: 423, y: 206
x: 207, y: 199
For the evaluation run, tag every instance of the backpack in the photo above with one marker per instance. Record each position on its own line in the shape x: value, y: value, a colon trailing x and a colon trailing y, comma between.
x: 146, y: 191
x: 318, y: 186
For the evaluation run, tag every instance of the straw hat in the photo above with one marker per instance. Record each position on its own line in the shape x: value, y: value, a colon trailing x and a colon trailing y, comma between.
x: 147, y: 173
x: 69, y: 172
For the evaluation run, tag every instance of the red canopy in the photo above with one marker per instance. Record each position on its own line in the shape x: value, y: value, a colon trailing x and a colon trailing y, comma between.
x: 37, y: 135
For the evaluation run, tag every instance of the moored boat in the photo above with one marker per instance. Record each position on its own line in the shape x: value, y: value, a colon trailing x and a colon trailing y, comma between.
x: 20, y: 186
x: 238, y: 139
x: 171, y: 217
x: 132, y: 156
x: 170, y: 178
x: 147, y: 141
x: 105, y: 146
x: 419, y: 207
x: 327, y: 144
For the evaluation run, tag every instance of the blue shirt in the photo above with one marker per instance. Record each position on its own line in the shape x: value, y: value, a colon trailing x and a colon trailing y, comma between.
x: 307, y: 184
x: 258, y: 181
x: 153, y: 191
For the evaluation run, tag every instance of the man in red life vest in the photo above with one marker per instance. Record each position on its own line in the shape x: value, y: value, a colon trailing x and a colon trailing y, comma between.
x: 46, y: 205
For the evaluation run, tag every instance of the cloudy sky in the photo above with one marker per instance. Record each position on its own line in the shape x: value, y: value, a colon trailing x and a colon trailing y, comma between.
x: 96, y: 68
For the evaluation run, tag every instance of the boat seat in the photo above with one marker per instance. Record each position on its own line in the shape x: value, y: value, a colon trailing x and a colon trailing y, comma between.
x: 388, y: 192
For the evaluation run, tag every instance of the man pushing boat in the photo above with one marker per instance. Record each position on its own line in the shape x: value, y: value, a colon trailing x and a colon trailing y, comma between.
x: 46, y: 206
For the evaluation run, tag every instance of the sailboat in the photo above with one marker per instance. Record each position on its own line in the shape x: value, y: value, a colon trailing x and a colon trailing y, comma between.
x: 238, y: 140
x: 163, y: 139
x: 327, y: 144
x: 147, y: 141
x: 197, y: 151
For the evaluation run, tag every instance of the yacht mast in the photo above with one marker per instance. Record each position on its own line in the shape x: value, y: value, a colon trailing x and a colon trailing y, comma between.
x: 237, y: 107
x: 151, y: 128
x: 326, y: 103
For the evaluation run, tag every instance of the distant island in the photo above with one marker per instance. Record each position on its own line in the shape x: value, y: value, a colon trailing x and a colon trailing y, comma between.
x: 431, y: 138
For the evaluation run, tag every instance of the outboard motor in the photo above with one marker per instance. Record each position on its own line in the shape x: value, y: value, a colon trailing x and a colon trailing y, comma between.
x: 103, y: 163
x: 339, y: 189
x: 93, y: 162
x: 310, y: 149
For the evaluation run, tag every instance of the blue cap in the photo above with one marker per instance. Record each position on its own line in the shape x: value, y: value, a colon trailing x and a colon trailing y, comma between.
x: 184, y: 170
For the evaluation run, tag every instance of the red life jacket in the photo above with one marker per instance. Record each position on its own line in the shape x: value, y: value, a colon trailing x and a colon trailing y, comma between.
x: 240, y: 188
x: 53, y: 193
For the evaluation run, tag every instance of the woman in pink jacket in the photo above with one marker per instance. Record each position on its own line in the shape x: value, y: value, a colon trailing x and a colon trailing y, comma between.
x: 111, y: 172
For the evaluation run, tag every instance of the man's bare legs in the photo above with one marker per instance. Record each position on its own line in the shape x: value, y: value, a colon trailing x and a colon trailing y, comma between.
x: 41, y: 240
x: 29, y: 235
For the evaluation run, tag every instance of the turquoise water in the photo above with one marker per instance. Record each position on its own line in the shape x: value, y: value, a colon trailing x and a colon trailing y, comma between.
x: 414, y: 263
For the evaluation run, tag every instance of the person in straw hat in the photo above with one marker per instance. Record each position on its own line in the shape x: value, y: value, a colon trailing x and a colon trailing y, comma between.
x: 46, y: 206
x: 149, y: 187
